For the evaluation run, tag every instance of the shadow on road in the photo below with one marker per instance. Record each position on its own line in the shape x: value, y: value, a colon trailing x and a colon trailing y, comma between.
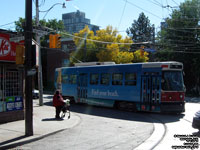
x: 13, y: 140
x: 50, y: 103
x: 48, y: 96
x: 119, y: 114
x: 125, y: 115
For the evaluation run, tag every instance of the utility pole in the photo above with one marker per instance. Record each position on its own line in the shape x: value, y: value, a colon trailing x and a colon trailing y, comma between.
x: 40, y: 85
x: 28, y: 67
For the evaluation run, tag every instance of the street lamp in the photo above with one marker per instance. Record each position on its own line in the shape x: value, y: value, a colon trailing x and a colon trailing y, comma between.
x: 40, y: 83
x: 47, y: 11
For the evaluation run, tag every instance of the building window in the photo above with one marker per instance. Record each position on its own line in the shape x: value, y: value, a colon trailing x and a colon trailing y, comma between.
x: 12, y: 83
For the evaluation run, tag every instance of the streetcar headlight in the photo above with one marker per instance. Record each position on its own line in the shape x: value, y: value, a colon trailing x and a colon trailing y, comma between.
x: 181, y: 96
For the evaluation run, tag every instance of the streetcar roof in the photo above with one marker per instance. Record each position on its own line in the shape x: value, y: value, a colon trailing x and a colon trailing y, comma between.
x: 144, y: 65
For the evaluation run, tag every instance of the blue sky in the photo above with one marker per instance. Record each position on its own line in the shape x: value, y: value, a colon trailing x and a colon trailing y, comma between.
x: 118, y: 13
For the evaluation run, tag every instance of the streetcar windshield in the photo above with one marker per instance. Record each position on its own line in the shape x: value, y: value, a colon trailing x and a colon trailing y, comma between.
x: 172, y: 81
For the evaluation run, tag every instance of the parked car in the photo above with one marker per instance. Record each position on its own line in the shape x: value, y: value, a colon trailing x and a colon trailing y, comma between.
x: 196, y: 120
x: 35, y: 94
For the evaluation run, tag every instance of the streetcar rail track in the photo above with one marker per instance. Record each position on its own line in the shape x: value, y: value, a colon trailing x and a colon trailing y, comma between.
x: 160, y: 130
x: 187, y: 120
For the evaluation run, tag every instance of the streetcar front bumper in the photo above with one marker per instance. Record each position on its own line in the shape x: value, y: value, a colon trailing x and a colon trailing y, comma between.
x: 175, y: 107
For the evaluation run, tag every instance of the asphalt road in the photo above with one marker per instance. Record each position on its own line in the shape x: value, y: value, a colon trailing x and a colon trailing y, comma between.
x: 100, y: 128
x: 104, y: 128
x: 179, y: 125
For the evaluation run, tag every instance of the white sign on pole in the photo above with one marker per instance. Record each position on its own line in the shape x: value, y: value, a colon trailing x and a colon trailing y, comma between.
x: 17, y: 39
x: 40, y: 32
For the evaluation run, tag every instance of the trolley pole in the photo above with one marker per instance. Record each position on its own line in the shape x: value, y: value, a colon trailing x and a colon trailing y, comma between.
x: 40, y: 85
x: 28, y: 67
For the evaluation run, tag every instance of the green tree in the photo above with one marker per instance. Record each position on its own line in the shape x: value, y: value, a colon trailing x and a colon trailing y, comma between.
x: 138, y: 57
x: 104, y: 46
x: 85, y: 49
x: 141, y: 30
x: 19, y: 25
x: 112, y: 53
x: 180, y: 41
x: 56, y: 25
x: 53, y: 24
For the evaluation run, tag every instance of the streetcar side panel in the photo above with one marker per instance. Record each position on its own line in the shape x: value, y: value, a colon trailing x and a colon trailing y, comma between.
x: 119, y: 87
x: 69, y: 82
x: 128, y: 84
x: 123, y: 84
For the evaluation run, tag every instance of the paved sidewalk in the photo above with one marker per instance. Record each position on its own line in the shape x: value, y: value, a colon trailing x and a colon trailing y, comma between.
x: 44, y: 123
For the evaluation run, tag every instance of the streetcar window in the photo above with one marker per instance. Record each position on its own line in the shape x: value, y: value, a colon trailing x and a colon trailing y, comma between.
x: 72, y: 79
x: 117, y: 79
x: 130, y: 79
x: 82, y: 79
x: 158, y: 84
x: 105, y: 78
x: 65, y: 78
x: 172, y: 81
x: 148, y: 83
x: 154, y: 83
x: 94, y: 78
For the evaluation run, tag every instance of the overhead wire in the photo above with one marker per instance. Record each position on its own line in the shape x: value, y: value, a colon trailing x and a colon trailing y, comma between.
x: 175, y: 2
x: 155, y: 3
x: 6, y: 24
x: 158, y: 2
x: 126, y: 1
x: 142, y: 9
x: 103, y: 42
x: 9, y: 28
x: 122, y: 14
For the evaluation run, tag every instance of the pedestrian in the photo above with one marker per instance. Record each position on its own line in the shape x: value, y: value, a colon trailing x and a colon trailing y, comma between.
x: 58, y: 103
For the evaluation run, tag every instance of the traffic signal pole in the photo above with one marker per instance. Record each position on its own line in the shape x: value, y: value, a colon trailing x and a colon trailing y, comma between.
x: 28, y: 67
x: 40, y: 84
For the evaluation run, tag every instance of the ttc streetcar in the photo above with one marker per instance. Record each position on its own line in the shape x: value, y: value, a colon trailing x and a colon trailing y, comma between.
x: 152, y: 86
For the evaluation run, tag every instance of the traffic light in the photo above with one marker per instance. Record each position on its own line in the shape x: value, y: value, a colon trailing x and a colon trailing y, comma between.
x: 54, y: 41
x: 58, y: 41
x: 20, y: 54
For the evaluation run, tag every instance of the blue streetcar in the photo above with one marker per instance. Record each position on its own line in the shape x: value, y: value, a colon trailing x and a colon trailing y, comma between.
x: 153, y: 86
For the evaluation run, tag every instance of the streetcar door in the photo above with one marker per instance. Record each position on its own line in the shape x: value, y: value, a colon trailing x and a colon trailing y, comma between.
x: 150, y: 92
x: 82, y: 87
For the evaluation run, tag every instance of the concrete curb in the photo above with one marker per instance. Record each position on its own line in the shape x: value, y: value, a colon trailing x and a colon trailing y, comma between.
x: 44, y: 124
x: 154, y: 139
